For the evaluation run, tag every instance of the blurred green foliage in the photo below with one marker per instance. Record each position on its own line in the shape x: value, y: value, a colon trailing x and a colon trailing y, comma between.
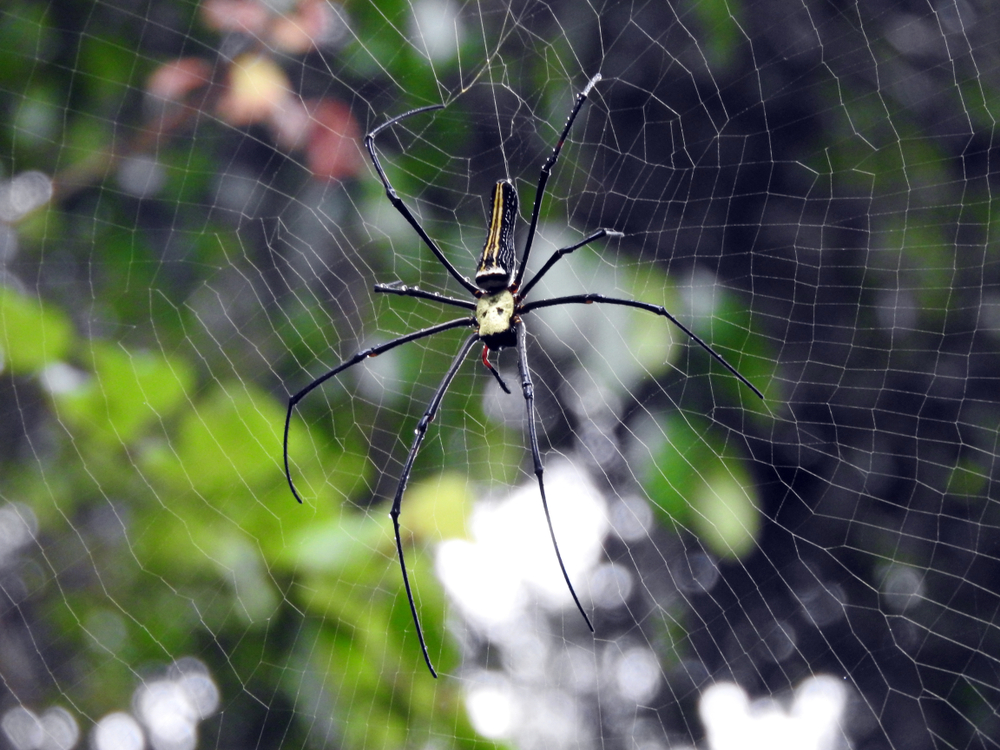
x: 148, y: 329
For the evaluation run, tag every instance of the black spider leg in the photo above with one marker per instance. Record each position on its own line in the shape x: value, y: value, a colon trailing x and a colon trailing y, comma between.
x: 421, y: 430
x: 536, y: 456
x: 363, y: 354
x: 566, y: 251
x: 398, y: 287
x: 401, y: 289
x: 494, y: 371
x: 397, y: 202
x: 587, y: 299
x: 544, y: 177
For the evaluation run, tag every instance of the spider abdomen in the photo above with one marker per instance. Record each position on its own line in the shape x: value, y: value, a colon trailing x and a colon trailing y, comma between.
x: 496, y: 264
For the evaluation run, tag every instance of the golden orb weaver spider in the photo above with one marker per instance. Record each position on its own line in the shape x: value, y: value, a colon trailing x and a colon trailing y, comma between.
x: 496, y: 322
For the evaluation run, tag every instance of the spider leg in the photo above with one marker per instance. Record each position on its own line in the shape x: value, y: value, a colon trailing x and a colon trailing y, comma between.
x: 566, y: 251
x: 493, y: 370
x: 364, y: 354
x: 529, y: 400
x: 397, y: 202
x: 398, y: 287
x: 587, y: 299
x: 421, y: 430
x: 546, y: 171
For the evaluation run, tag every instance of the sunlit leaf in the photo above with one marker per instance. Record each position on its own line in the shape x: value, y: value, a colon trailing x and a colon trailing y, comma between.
x: 125, y: 393
x: 33, y: 334
x: 694, y: 482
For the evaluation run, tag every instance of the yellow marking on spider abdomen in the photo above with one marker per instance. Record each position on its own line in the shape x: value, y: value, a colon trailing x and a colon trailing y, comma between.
x: 493, y: 237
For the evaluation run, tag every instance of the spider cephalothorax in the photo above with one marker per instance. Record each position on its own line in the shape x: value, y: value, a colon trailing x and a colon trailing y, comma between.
x: 495, y: 319
x: 497, y: 306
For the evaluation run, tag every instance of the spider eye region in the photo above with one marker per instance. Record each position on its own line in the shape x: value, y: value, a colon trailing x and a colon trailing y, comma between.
x: 494, y: 313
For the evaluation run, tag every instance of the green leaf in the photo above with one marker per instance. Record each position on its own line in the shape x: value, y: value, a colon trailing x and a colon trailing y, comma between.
x: 128, y: 392
x: 334, y: 545
x: 721, y: 32
x: 670, y: 477
x: 726, y: 518
x: 437, y: 507
x: 968, y: 479
x: 27, y: 39
x: 231, y: 439
x: 698, y: 481
x: 32, y: 334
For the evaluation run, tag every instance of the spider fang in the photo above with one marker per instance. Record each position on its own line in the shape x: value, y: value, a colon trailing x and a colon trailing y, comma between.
x: 493, y: 370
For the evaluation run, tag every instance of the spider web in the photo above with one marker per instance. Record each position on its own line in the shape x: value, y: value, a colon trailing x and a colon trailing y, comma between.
x: 191, y: 232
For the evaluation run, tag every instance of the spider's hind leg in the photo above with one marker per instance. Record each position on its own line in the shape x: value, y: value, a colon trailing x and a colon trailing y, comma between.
x: 397, y: 502
x: 536, y: 456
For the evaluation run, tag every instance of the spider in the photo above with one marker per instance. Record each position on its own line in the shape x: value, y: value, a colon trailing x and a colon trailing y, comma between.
x: 497, y: 307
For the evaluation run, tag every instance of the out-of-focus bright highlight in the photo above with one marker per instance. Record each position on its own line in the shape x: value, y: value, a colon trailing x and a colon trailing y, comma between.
x: 812, y: 721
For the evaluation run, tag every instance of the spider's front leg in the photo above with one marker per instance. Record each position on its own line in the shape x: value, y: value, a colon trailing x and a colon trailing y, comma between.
x: 398, y: 203
x: 563, y: 251
x: 543, y: 178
